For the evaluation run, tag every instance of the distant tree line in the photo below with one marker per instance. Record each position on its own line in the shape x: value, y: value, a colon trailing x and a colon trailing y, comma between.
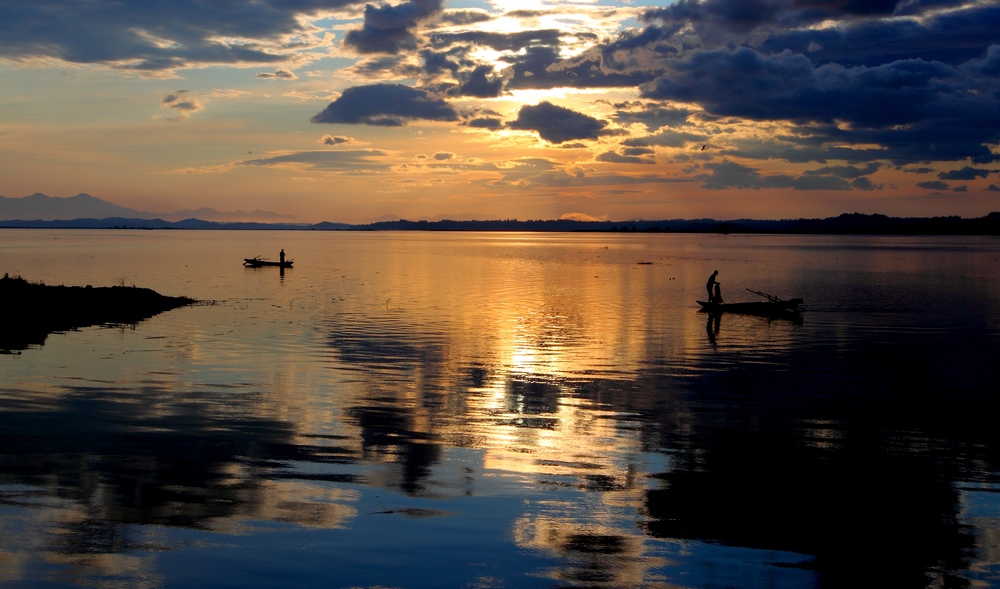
x: 846, y: 224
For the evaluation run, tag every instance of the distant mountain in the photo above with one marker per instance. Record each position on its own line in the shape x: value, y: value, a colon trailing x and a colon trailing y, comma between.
x: 83, y: 206
x: 846, y: 224
x: 207, y: 214
x: 48, y: 208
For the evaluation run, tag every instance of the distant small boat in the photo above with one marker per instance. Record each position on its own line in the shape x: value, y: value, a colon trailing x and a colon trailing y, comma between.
x: 772, y: 307
x: 258, y: 262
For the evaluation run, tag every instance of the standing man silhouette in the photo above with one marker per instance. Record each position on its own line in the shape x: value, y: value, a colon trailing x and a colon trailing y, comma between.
x: 711, y: 283
x: 281, y: 257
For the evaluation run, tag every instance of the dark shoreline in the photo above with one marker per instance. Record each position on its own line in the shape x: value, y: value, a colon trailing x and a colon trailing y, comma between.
x: 35, y: 309
x: 846, y: 224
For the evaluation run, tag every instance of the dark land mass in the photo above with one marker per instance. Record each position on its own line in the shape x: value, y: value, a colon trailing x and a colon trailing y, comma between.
x: 846, y: 224
x: 856, y: 223
x: 33, y: 310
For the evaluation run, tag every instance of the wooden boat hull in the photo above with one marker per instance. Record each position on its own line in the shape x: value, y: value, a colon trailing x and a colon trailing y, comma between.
x: 256, y: 263
x: 762, y: 308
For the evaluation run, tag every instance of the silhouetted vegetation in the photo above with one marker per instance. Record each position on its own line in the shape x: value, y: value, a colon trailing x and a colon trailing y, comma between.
x: 846, y: 224
x: 33, y: 310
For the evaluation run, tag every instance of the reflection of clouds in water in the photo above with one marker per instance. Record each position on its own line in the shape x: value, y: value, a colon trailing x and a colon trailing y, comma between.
x: 592, y: 552
x: 756, y: 425
x: 142, y: 457
x: 624, y: 435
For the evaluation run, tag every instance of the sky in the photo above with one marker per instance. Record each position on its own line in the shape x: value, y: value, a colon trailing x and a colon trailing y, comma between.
x: 345, y: 111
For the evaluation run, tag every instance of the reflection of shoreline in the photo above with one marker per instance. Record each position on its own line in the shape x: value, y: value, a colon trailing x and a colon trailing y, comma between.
x: 40, y: 309
x: 744, y: 462
x: 166, y: 464
x: 619, y: 431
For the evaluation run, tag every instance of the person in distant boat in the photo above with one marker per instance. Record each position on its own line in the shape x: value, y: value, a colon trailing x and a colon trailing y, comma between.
x: 718, y: 294
x: 711, y: 283
x: 281, y: 257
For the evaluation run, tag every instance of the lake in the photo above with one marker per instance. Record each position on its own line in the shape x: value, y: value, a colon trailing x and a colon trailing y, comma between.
x: 426, y: 410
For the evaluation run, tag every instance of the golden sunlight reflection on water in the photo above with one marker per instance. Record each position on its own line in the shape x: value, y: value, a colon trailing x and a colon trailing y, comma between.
x: 548, y: 406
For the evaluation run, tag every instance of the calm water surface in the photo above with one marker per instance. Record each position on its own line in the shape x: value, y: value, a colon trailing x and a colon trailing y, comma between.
x: 507, y: 410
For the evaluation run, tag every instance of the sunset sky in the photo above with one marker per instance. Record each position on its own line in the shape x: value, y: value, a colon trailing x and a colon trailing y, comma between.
x: 339, y: 110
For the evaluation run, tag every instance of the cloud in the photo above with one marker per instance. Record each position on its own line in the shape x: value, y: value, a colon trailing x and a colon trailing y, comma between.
x: 480, y: 84
x: 183, y: 102
x: 846, y: 172
x: 386, y: 105
x: 391, y: 29
x: 934, y: 185
x: 653, y: 116
x: 966, y: 173
x: 863, y: 183
x: 485, y: 123
x: 465, y: 17
x: 357, y: 160
x: 993, y: 188
x: 727, y: 174
x: 918, y: 110
x: 952, y: 36
x: 616, y: 158
x: 278, y: 74
x: 443, y: 156
x: 339, y: 140
x: 155, y: 38
x: 667, y: 138
x: 513, y: 42
x: 709, y: 18
x: 556, y: 124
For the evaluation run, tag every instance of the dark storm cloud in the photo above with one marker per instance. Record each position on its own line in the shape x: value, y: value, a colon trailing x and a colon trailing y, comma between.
x: 481, y: 84
x: 146, y: 36
x: 952, y: 38
x: 385, y: 105
x: 966, y: 173
x: 743, y: 16
x: 500, y: 41
x: 438, y: 62
x: 485, y: 123
x: 556, y: 124
x: 919, y: 110
x: 542, y: 67
x: 391, y: 29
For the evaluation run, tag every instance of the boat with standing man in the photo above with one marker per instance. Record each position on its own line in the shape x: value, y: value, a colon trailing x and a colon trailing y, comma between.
x: 772, y: 307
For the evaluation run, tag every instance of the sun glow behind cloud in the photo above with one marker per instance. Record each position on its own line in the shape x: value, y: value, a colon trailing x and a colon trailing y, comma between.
x: 640, y: 107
